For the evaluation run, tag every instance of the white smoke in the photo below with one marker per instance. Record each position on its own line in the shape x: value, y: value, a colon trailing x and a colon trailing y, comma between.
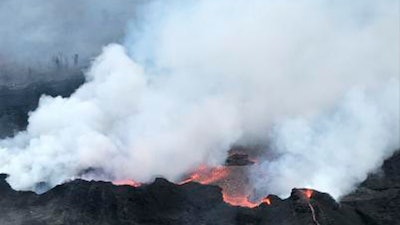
x: 335, y: 150
x: 198, y: 77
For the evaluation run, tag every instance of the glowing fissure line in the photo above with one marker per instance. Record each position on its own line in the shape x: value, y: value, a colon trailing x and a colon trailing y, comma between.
x: 313, y: 214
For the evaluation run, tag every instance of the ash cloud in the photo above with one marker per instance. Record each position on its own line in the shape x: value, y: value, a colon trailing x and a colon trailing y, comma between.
x: 316, y: 81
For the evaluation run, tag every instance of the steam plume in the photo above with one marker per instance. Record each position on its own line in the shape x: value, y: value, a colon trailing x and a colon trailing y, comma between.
x: 313, y: 80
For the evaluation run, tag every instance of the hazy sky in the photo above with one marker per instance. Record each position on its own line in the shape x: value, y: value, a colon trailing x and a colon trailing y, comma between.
x: 36, y: 30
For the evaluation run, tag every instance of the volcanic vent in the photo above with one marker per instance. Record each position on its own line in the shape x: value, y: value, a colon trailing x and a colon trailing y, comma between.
x: 232, y: 178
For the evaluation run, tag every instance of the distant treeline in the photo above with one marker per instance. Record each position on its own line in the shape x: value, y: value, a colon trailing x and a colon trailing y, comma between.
x: 58, y: 67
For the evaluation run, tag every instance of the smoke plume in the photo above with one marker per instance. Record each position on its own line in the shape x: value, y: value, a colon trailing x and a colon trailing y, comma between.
x: 316, y: 82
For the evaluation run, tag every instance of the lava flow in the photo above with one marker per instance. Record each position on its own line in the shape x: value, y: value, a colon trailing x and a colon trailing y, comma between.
x: 127, y: 182
x: 308, y: 193
x: 204, y: 175
x: 231, y: 179
x: 244, y: 201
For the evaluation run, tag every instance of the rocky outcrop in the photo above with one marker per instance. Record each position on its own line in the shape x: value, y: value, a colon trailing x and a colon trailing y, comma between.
x: 377, y: 199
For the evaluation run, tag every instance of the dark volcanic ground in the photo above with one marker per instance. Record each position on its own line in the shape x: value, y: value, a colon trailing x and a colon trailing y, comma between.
x: 82, y: 202
x: 376, y: 201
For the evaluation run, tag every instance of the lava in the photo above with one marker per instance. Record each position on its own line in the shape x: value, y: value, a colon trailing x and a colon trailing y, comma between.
x: 204, y: 175
x: 220, y: 176
x: 314, y: 217
x: 243, y: 201
x: 238, y: 201
x: 233, y: 187
x: 127, y: 182
x: 308, y: 193
x: 266, y: 201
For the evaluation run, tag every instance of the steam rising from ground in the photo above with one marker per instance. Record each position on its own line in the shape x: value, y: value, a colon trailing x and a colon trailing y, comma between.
x: 318, y: 83
x: 334, y: 150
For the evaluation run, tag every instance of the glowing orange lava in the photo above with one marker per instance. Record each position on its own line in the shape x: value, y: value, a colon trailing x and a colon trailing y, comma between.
x: 223, y: 176
x: 127, y: 182
x: 204, y: 175
x: 266, y: 201
x: 308, y: 193
x: 243, y: 201
x: 218, y: 176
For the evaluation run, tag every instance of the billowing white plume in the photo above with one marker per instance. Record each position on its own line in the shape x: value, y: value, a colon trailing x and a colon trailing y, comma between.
x: 334, y: 150
x: 316, y: 81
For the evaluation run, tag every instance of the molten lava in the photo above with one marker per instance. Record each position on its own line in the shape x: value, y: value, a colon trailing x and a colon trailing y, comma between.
x: 308, y: 193
x: 204, y: 175
x: 266, y: 201
x: 127, y: 182
x: 222, y: 176
x: 238, y: 201
x: 244, y: 201
x: 235, y: 188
